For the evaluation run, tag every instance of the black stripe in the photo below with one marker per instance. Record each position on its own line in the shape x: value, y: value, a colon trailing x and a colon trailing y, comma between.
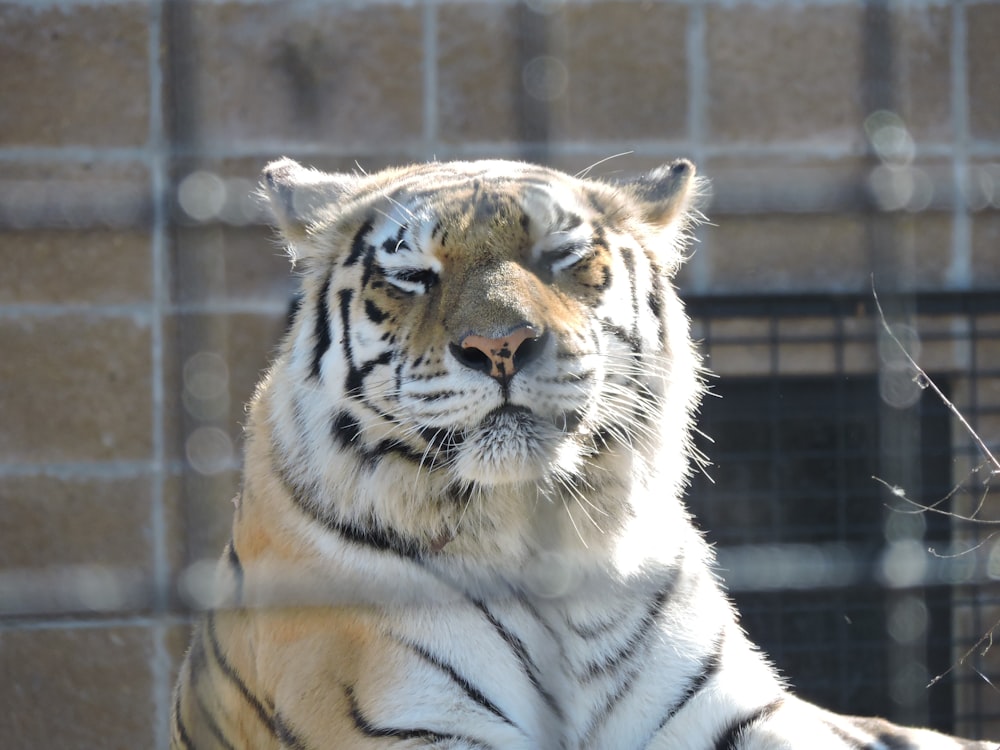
x: 710, y: 667
x: 630, y: 339
x: 321, y: 327
x: 346, y: 431
x: 634, y: 640
x: 358, y: 244
x: 605, y: 283
x: 264, y: 713
x: 286, y: 735
x: 467, y: 687
x: 364, y: 725
x: 179, y: 729
x: 885, y: 734
x: 599, y: 717
x: 294, y: 307
x: 353, y: 382
x: 592, y: 631
x: 375, y: 313
x: 732, y: 734
x: 528, y: 665
x: 356, y: 375
x: 401, y: 449
x: 198, y: 665
x: 237, y: 566
x: 381, y: 539
x: 213, y: 727
x: 628, y: 258
x: 572, y: 221
x: 270, y: 718
x: 654, y: 300
x: 847, y: 738
x: 394, y: 244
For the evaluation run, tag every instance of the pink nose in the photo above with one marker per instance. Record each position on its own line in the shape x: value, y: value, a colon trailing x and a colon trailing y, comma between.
x: 500, y: 357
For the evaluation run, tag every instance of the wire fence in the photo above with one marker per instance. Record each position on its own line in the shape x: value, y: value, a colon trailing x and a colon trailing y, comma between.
x: 827, y: 451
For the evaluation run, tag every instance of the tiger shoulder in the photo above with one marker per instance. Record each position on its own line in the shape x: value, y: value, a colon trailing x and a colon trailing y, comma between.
x: 462, y: 523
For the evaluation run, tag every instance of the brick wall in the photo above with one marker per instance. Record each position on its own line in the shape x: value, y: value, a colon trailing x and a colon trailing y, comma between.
x: 140, y: 294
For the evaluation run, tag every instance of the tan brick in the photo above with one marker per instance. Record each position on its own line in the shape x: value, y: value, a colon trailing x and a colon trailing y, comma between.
x: 55, y: 532
x: 74, y: 389
x: 806, y: 346
x: 784, y: 76
x: 627, y: 71
x: 75, y: 689
x: 736, y: 329
x: 806, y: 329
x: 235, y: 347
x: 988, y: 388
x: 941, y: 355
x: 343, y: 75
x: 860, y: 357
x: 921, y: 38
x: 738, y: 346
x: 788, y: 253
x: 612, y: 71
x: 76, y: 75
x: 200, y: 510
x: 215, y: 263
x: 63, y: 521
x: 479, y: 73
x: 785, y: 184
x: 988, y: 322
x: 920, y: 255
x: 983, y: 26
x: 740, y: 359
x: 807, y: 358
x: 986, y: 250
x: 178, y: 638
x: 95, y: 266
x: 74, y: 194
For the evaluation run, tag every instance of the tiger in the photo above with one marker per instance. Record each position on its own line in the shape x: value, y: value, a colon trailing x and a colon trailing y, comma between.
x: 461, y: 523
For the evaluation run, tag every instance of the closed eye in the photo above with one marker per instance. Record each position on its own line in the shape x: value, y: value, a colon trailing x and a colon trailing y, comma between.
x: 411, y: 280
x: 566, y: 256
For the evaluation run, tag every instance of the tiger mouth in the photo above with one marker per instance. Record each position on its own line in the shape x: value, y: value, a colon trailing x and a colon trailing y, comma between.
x: 521, y: 419
x: 509, y: 416
x: 511, y: 443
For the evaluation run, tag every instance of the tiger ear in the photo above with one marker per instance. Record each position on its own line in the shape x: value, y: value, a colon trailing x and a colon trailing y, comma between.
x: 298, y: 196
x: 667, y: 194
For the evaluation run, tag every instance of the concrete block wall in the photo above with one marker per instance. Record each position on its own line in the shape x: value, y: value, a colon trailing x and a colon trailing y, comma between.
x: 141, y: 295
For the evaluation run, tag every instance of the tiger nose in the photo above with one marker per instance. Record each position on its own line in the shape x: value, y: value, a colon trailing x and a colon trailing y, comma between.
x: 500, y: 357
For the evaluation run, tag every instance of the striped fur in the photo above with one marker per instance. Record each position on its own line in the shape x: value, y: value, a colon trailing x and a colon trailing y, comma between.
x: 461, y: 525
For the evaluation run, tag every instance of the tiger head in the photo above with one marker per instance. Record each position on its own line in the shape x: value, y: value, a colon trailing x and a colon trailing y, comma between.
x: 484, y: 327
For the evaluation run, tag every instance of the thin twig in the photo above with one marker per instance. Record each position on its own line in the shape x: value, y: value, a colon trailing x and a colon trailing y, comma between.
x: 930, y: 383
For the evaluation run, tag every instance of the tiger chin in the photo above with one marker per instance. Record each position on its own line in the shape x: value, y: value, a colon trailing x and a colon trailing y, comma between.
x: 461, y: 522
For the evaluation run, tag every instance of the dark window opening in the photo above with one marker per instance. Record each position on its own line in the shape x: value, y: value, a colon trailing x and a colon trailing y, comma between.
x: 793, y: 489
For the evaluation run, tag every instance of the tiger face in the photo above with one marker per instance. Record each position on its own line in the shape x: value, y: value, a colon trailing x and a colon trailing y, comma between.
x: 483, y: 327
x: 490, y: 319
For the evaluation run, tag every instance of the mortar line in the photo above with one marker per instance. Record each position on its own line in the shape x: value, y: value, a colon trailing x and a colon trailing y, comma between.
x: 959, y: 274
x: 697, y: 121
x: 787, y: 151
x: 430, y: 79
x: 159, y: 182
x: 83, y: 470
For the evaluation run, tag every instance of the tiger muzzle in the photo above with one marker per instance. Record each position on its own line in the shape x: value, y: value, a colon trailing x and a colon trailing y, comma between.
x: 501, y: 358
